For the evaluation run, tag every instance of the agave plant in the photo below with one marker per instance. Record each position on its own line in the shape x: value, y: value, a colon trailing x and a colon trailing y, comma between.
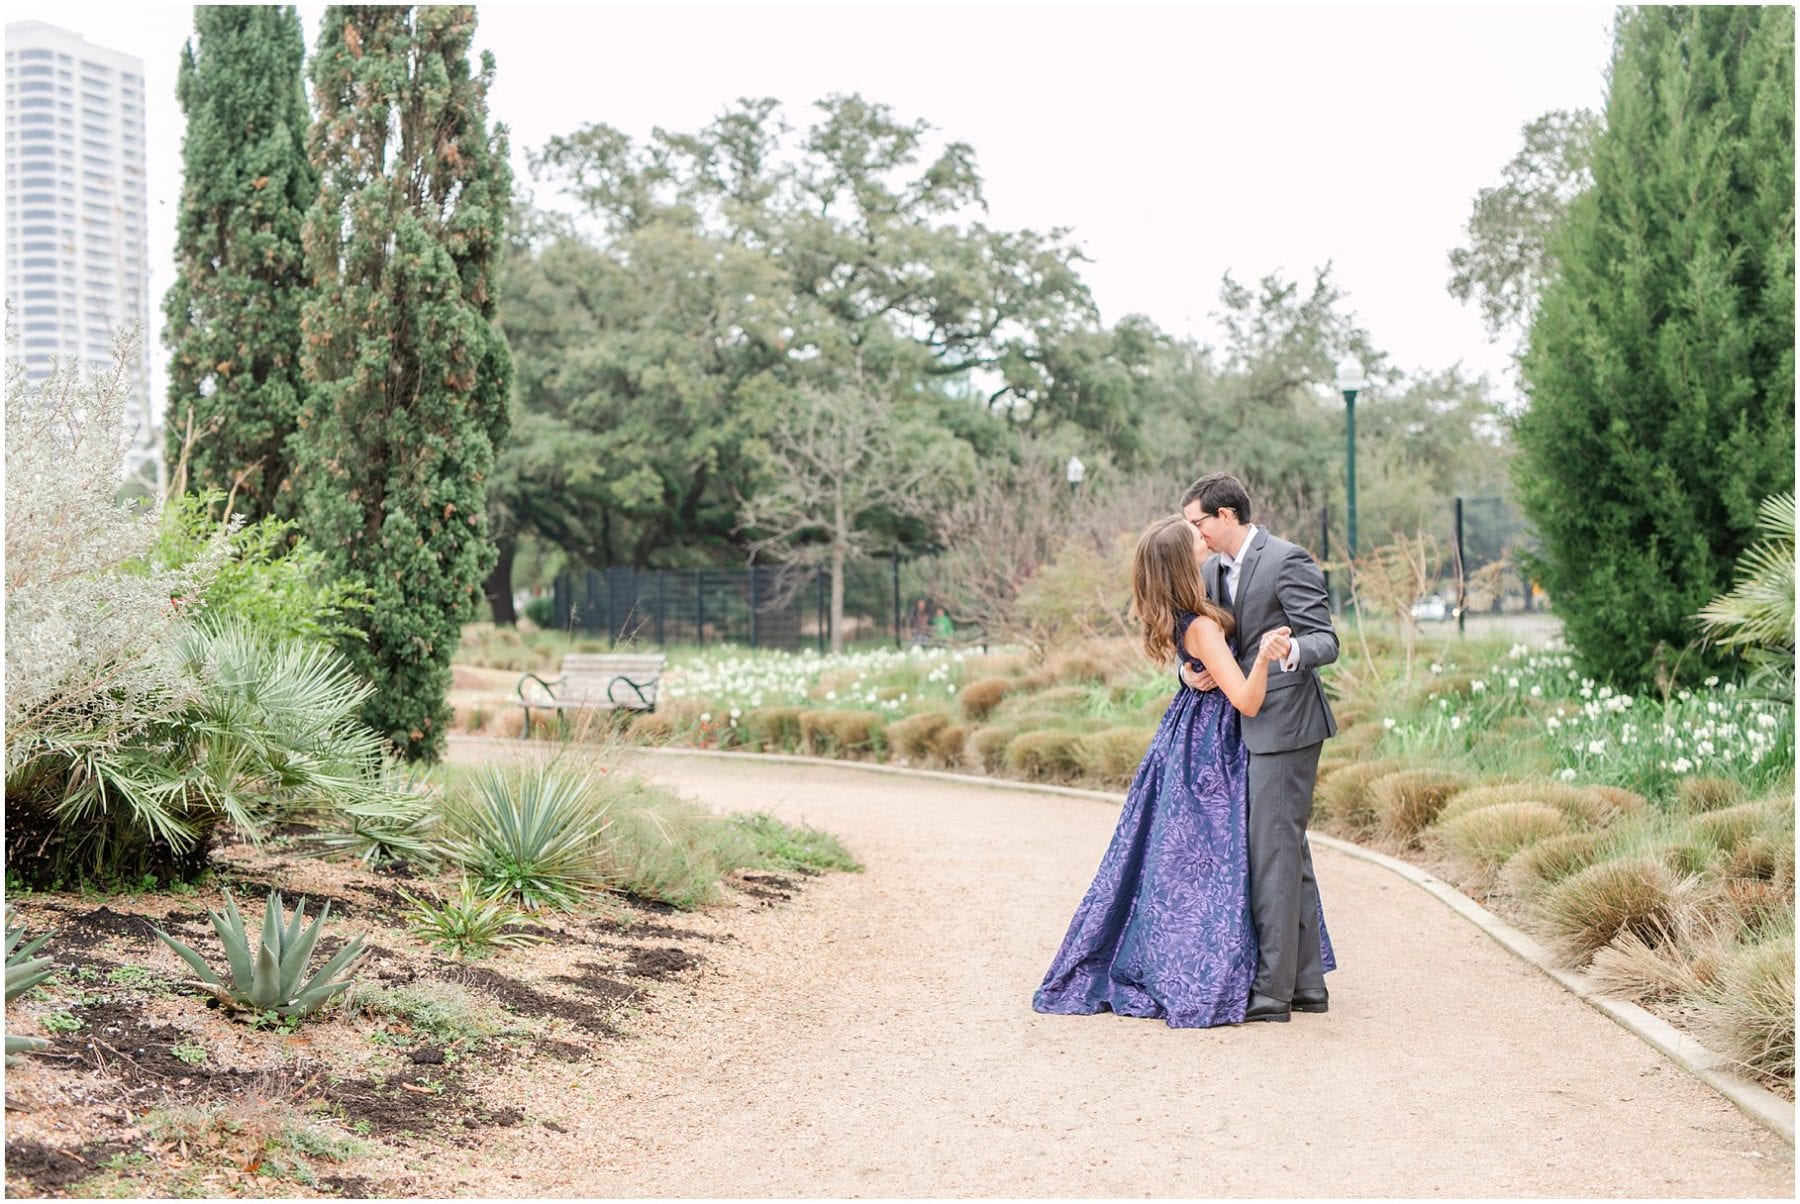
x: 1757, y: 616
x: 272, y: 978
x: 533, y: 834
x: 23, y: 972
x: 471, y: 922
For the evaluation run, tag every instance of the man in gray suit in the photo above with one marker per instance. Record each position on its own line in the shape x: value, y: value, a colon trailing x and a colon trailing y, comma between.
x: 1266, y: 583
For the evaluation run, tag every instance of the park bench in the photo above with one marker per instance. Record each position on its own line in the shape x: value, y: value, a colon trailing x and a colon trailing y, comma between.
x: 594, y: 681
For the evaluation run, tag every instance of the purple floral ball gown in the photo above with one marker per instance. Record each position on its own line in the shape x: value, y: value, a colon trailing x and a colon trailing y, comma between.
x: 1165, y: 930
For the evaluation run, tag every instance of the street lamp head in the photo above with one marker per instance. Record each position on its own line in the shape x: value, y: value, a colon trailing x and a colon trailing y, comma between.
x: 1350, y: 378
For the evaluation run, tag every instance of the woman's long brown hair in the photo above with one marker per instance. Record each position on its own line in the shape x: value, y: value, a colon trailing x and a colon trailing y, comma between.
x: 1164, y: 581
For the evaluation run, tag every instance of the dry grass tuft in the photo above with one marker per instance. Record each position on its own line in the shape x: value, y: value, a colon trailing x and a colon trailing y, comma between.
x: 772, y: 729
x: 1622, y: 801
x: 911, y: 737
x: 1588, y: 910
x: 990, y: 744
x: 1045, y: 756
x: 1488, y: 836
x: 1549, y: 861
x: 1747, y: 1012
x: 1345, y: 800
x: 1112, y: 756
x: 854, y: 735
x: 979, y: 698
x: 1707, y: 794
x: 1407, y: 802
x: 950, y: 744
x: 1729, y: 827
x: 1582, y: 806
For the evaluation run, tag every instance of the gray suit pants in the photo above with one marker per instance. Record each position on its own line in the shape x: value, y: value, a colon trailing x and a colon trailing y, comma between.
x: 1284, y: 895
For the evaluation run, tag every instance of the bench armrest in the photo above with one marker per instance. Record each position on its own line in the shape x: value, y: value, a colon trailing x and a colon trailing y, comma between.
x: 545, y: 685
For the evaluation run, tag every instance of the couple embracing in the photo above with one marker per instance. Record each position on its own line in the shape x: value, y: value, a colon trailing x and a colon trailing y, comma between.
x: 1205, y: 910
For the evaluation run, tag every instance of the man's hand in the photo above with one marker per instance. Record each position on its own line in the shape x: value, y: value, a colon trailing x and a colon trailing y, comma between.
x: 1198, y: 679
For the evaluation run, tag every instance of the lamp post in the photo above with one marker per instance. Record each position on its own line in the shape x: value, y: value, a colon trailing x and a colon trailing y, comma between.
x: 1350, y: 382
x: 1075, y: 472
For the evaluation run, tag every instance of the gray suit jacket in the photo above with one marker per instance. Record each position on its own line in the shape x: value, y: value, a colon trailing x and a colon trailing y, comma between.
x: 1279, y: 585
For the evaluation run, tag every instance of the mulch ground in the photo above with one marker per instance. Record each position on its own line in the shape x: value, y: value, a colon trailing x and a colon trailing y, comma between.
x: 136, y: 1053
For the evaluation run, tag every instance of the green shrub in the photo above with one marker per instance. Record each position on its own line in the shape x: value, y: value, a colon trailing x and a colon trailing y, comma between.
x: 541, y: 610
x: 1707, y: 794
x: 773, y: 729
x: 979, y: 698
x: 1489, y: 835
x: 990, y: 744
x: 533, y: 833
x: 1045, y: 756
x: 1408, y: 801
x: 781, y: 846
x: 271, y: 977
x: 467, y: 923
x: 1346, y: 801
x: 1113, y: 756
x: 1586, y: 910
x: 911, y: 737
x: 854, y: 735
x: 663, y: 848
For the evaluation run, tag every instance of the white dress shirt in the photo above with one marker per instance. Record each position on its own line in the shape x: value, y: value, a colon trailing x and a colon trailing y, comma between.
x: 1230, y: 565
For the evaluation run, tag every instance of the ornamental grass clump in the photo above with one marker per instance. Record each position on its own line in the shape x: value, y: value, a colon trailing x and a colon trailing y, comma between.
x: 1546, y: 863
x: 773, y: 729
x: 979, y: 698
x: 1488, y: 836
x: 1636, y: 894
x: 911, y: 737
x: 1707, y: 794
x: 949, y: 745
x: 469, y: 923
x: 1112, y: 756
x: 989, y: 745
x: 271, y: 977
x: 1045, y: 756
x: 853, y: 735
x: 1346, y: 799
x: 1575, y: 802
x: 1407, y: 802
x: 1747, y: 1011
x: 532, y: 833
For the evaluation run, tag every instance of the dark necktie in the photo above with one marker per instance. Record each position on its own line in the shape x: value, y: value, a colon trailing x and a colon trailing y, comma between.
x: 1225, y: 585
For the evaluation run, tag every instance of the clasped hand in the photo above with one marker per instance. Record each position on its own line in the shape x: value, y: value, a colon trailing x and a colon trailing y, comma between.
x: 1275, y: 646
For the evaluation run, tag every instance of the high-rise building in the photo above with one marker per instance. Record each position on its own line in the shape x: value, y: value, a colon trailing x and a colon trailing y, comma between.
x: 77, y: 211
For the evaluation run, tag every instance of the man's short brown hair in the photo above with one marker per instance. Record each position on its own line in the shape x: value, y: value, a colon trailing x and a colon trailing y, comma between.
x: 1219, y: 491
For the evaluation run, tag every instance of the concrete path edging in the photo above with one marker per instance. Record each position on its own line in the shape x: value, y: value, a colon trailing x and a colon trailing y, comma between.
x: 1756, y: 1101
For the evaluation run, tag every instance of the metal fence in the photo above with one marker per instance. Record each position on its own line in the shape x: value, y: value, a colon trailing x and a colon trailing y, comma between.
x: 764, y: 607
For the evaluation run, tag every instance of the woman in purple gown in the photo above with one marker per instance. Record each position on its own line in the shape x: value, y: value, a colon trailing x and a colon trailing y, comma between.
x: 1165, y: 930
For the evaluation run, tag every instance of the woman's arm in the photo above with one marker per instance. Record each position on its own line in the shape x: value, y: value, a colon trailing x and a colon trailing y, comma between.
x: 1205, y: 640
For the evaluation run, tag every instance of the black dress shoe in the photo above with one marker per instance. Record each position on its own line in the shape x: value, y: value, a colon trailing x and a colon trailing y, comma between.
x: 1264, y: 1008
x: 1311, y: 999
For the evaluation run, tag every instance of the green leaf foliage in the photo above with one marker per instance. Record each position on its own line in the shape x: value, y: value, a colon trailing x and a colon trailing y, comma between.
x: 272, y: 976
x: 1660, y: 368
x: 234, y: 310
x: 410, y: 372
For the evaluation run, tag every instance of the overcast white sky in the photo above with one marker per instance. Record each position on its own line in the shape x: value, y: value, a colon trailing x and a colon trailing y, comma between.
x: 1178, y: 141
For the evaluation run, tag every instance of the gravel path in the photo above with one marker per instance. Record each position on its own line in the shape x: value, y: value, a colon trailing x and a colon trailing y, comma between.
x: 875, y: 1038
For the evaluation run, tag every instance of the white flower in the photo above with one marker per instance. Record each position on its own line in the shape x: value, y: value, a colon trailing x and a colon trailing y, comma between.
x: 1682, y: 765
x: 1567, y: 775
x: 1387, y: 724
x: 1553, y: 723
x: 1711, y: 681
x: 1537, y: 691
x: 705, y: 716
x: 831, y: 696
x: 1436, y: 668
x: 1477, y: 686
x: 1455, y: 722
x: 736, y: 714
x: 1596, y: 748
x: 1512, y: 683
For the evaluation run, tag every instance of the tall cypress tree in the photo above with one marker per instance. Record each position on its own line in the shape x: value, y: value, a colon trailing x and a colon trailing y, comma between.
x: 1660, y: 368
x: 234, y: 310
x: 409, y: 371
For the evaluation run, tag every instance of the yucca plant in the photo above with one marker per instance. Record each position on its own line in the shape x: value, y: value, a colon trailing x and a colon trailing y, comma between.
x: 23, y: 972
x: 533, y: 834
x: 469, y: 923
x: 1757, y: 616
x: 272, y: 977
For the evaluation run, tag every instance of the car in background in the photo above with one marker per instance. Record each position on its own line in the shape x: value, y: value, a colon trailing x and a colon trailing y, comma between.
x: 1432, y: 609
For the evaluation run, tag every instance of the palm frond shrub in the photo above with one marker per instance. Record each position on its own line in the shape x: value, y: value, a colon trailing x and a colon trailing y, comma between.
x: 469, y: 923
x: 1757, y: 615
x: 24, y: 971
x: 1587, y: 910
x: 272, y: 976
x: 267, y: 728
x: 534, y: 833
